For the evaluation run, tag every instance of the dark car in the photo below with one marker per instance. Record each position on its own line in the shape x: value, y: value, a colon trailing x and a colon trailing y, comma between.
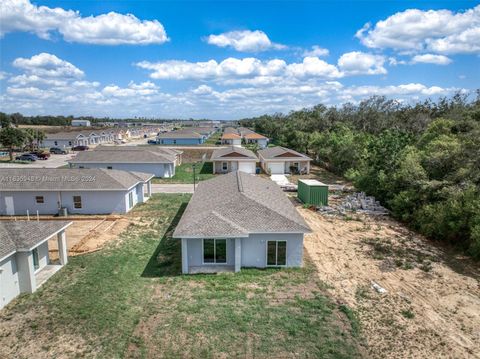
x: 80, y: 148
x: 27, y: 157
x: 152, y: 142
x: 41, y: 155
x: 57, y: 151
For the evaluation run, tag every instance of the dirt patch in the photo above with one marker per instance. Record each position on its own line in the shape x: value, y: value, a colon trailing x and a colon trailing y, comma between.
x: 432, y: 304
x: 196, y: 154
x: 87, y: 236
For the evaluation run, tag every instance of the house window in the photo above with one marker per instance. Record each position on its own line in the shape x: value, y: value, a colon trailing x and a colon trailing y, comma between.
x: 224, y: 166
x: 174, y: 142
x: 109, y: 167
x: 81, y: 167
x: 36, y: 265
x: 215, y: 251
x: 39, y: 199
x: 130, y: 199
x: 77, y: 202
x: 56, y: 143
x: 276, y: 253
x: 69, y: 143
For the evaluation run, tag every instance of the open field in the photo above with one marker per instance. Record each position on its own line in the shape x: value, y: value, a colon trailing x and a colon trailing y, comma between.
x: 184, y: 173
x: 432, y: 304
x: 128, y: 300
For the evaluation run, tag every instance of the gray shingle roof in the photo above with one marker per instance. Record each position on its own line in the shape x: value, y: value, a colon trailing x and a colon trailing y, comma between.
x: 103, y: 156
x: 237, y: 204
x: 180, y: 134
x: 274, y: 152
x: 220, y: 153
x: 23, y: 235
x: 54, y: 179
x: 170, y: 151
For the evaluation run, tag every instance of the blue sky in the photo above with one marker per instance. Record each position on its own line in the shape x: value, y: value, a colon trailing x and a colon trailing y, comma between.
x: 229, y: 59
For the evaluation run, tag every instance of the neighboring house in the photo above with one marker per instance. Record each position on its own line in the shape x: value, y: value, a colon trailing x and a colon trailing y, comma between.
x: 240, y: 220
x: 159, y: 164
x: 231, y: 139
x: 24, y: 259
x: 255, y: 138
x: 176, y: 154
x: 233, y: 158
x: 77, y: 191
x: 65, y: 139
x: 81, y: 123
x: 281, y: 160
x: 181, y: 137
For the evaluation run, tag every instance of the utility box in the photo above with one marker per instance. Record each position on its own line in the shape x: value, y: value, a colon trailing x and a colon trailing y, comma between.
x: 313, y: 192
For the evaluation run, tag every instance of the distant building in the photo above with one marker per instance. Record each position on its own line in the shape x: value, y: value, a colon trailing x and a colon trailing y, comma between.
x: 81, y: 123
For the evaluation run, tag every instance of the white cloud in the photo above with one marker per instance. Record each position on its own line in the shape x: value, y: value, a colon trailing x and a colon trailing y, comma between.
x: 244, y: 41
x: 316, y: 51
x: 313, y: 67
x: 104, y: 29
x: 440, y: 31
x: 48, y: 65
x: 431, y: 59
x: 356, y: 63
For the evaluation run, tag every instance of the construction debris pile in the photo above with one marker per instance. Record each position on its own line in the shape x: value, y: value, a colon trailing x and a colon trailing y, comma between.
x: 356, y: 202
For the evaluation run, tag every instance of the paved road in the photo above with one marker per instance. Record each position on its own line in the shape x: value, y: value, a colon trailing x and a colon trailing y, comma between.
x: 53, y: 162
x: 172, y: 188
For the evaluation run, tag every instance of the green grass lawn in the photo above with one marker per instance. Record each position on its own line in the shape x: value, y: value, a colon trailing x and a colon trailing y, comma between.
x: 213, y: 138
x: 184, y: 173
x: 129, y: 300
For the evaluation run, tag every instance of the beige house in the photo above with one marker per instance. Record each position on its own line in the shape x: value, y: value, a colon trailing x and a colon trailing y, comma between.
x: 234, y: 158
x: 281, y: 160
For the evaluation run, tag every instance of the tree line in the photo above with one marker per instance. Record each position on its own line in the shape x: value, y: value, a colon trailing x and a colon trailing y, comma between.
x: 422, y: 161
x: 13, y: 138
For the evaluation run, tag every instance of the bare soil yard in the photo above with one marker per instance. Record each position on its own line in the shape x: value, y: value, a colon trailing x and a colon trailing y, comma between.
x: 432, y: 305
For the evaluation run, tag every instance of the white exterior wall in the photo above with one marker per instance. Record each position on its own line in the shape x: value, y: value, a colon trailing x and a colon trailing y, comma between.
x: 162, y: 170
x: 93, y: 202
x: 233, y: 165
x: 58, y: 143
x: 9, y: 284
x: 43, y: 259
x: 253, y: 250
x: 195, y: 252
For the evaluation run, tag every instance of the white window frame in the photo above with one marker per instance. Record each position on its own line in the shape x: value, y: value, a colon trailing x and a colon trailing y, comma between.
x: 81, y: 202
x: 225, y: 168
x: 215, y: 251
x: 42, y: 197
x: 276, y: 252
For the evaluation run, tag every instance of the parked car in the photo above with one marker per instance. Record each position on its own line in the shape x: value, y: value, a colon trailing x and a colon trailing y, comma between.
x: 27, y: 157
x: 41, y: 155
x: 152, y: 142
x: 57, y: 151
x: 80, y: 148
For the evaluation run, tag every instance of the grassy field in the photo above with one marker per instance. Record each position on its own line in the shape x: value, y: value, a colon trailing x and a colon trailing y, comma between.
x: 184, y: 173
x: 130, y: 301
x: 213, y: 138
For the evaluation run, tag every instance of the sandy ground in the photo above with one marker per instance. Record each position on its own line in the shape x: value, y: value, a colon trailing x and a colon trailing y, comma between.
x: 89, y: 235
x: 432, y: 305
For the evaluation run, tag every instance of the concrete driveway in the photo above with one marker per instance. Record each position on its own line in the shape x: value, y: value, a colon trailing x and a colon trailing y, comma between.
x: 172, y: 188
x: 54, y: 161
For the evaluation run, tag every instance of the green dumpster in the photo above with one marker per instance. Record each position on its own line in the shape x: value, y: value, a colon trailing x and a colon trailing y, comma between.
x: 313, y: 192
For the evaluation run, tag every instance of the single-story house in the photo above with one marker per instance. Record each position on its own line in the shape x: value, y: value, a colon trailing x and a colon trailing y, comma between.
x: 240, y: 220
x: 159, y: 164
x: 281, y: 160
x: 230, y: 159
x: 255, y: 138
x: 231, y: 139
x: 176, y: 154
x: 24, y: 259
x: 181, y: 137
x: 81, y: 123
x: 66, y: 140
x: 76, y: 191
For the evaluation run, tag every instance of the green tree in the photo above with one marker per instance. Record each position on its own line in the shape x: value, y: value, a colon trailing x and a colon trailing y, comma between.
x: 11, y: 138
